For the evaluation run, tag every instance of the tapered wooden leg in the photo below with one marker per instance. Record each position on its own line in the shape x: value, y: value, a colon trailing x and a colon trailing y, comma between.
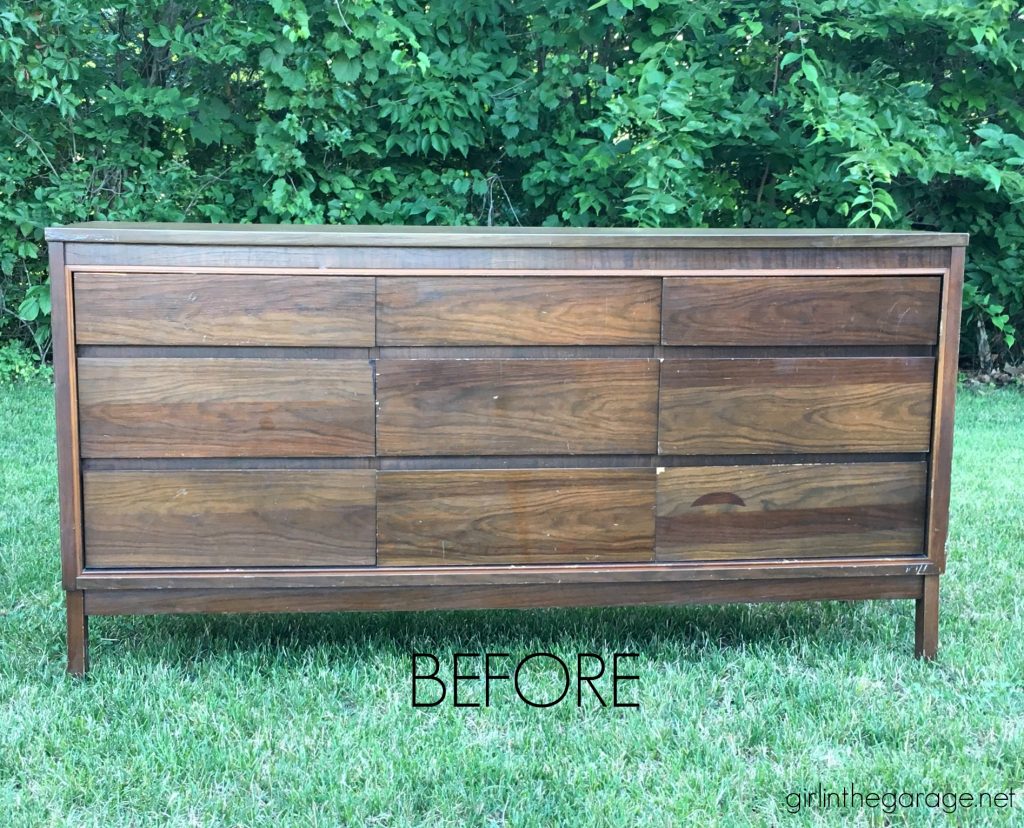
x: 78, y: 634
x: 926, y: 620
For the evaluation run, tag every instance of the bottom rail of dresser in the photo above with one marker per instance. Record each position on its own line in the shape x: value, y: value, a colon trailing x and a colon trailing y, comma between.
x: 229, y: 599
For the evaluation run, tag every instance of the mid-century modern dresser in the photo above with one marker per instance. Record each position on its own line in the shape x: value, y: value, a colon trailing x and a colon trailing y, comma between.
x: 285, y: 418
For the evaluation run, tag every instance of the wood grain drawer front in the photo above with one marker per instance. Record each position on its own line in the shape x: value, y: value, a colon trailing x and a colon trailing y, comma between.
x: 431, y: 518
x: 807, y: 511
x: 802, y: 310
x: 516, y: 406
x: 250, y: 517
x: 768, y: 406
x: 518, y: 311
x: 223, y: 309
x: 140, y: 407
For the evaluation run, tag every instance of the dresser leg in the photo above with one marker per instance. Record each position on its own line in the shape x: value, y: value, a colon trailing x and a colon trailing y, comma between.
x: 78, y: 634
x: 926, y: 620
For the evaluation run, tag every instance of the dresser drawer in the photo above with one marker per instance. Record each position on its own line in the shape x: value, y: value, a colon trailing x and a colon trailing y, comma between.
x: 769, y: 406
x: 516, y: 406
x: 802, y: 310
x: 784, y: 511
x: 250, y: 517
x: 522, y: 516
x: 223, y: 309
x: 199, y: 407
x: 518, y: 311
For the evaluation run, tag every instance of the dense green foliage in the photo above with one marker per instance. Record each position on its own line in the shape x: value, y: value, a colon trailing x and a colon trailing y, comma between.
x: 891, y: 113
x: 306, y: 721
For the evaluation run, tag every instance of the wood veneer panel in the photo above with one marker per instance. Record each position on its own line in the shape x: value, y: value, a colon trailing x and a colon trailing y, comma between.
x: 225, y: 407
x: 462, y: 237
x: 802, y: 310
x: 517, y: 311
x: 516, y: 406
x: 806, y: 511
x: 567, y: 594
x: 500, y: 261
x: 945, y: 401
x: 253, y: 517
x: 223, y: 309
x: 66, y: 406
x: 503, y: 574
x: 765, y: 406
x: 534, y: 516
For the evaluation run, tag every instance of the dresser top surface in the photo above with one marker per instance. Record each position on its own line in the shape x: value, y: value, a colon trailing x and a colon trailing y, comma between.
x: 541, y: 237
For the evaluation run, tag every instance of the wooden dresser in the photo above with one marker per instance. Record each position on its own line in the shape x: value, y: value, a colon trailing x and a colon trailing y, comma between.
x: 286, y: 418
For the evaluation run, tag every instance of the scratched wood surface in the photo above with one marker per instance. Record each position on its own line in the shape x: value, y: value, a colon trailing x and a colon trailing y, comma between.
x: 519, y: 516
x: 743, y: 512
x: 251, y: 517
x: 223, y: 309
x: 210, y: 407
x: 516, y: 406
x: 802, y: 310
x: 764, y: 406
x: 501, y: 262
x: 517, y: 311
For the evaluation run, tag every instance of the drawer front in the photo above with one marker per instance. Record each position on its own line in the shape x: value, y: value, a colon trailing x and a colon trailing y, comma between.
x: 802, y: 310
x: 518, y: 311
x: 251, y: 517
x: 223, y: 309
x: 806, y: 511
x: 767, y: 406
x: 516, y: 406
x: 437, y: 518
x: 140, y: 407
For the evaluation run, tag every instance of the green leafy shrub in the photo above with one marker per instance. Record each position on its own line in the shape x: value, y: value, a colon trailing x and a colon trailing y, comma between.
x: 18, y: 362
x: 817, y: 113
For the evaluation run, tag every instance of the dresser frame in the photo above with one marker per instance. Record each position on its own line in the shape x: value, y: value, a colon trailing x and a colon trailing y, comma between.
x: 503, y: 253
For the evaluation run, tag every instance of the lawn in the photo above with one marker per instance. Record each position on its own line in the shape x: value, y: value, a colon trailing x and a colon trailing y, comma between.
x: 306, y: 720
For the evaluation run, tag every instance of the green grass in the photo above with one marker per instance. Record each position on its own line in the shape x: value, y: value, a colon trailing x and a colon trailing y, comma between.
x: 306, y: 720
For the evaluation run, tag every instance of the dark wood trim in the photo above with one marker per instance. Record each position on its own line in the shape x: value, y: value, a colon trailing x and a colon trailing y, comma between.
x: 896, y: 271
x: 78, y: 633
x: 504, y: 351
x: 155, y: 601
x: 543, y: 237
x: 926, y: 619
x: 945, y: 402
x: 66, y: 401
x: 823, y: 567
x: 509, y: 261
x: 201, y: 351
x: 504, y: 461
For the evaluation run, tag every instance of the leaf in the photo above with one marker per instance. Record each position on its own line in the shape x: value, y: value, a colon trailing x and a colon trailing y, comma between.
x: 810, y: 72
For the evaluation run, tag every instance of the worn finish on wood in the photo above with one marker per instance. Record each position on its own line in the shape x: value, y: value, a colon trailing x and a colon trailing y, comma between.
x: 223, y: 309
x: 78, y: 633
x: 66, y: 402
x: 229, y: 518
x: 751, y: 406
x: 945, y: 401
x: 804, y: 310
x: 245, y: 390
x: 517, y: 311
x: 737, y: 512
x: 517, y: 406
x: 225, y: 407
x: 501, y: 574
x: 501, y: 262
x: 463, y: 237
x: 926, y: 620
x: 242, y: 599
x: 522, y: 517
